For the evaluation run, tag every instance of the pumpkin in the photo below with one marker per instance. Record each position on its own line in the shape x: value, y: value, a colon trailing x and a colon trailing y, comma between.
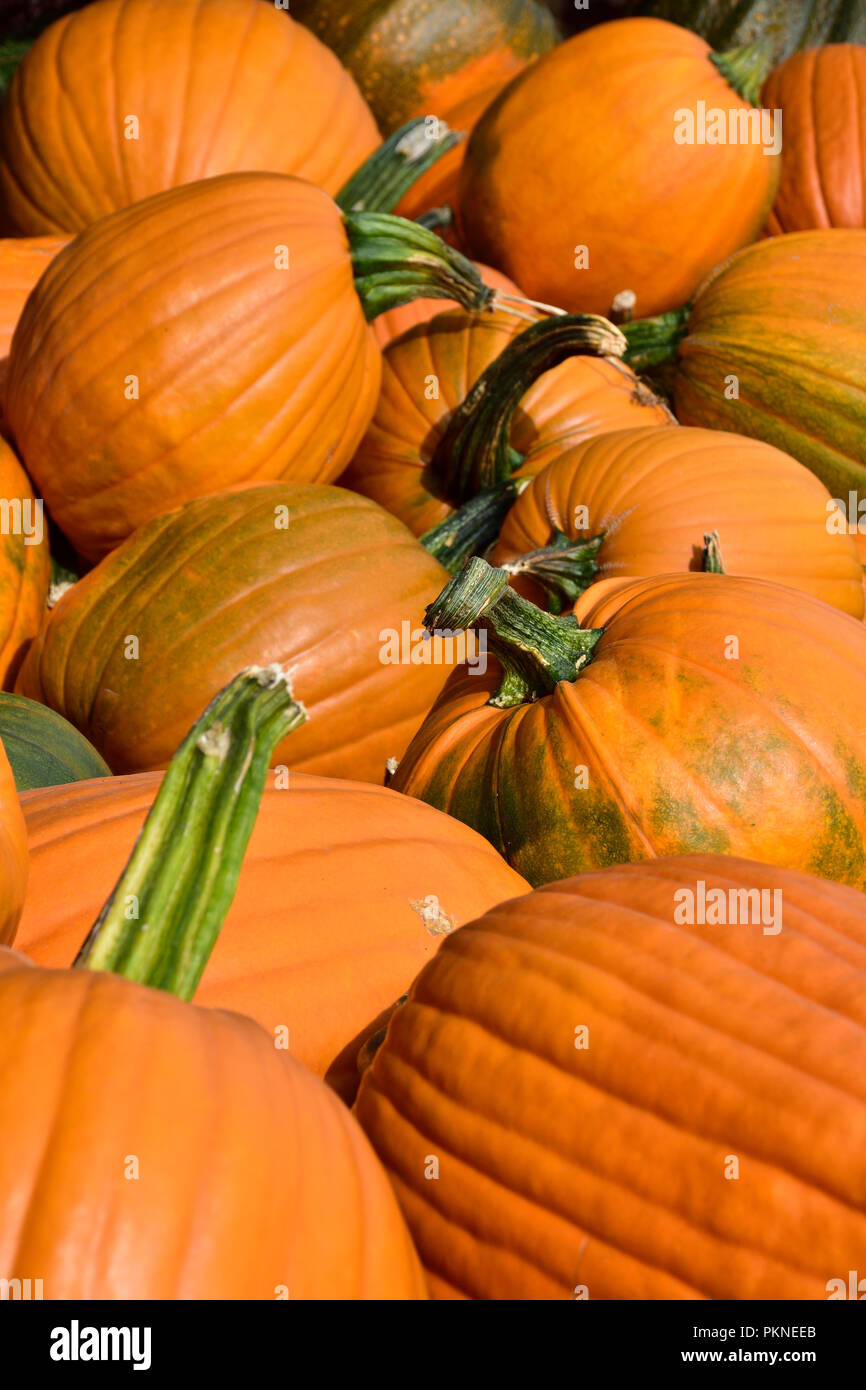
x: 210, y: 1163
x: 209, y: 335
x: 44, y: 750
x: 315, y: 577
x: 785, y: 25
x: 127, y: 98
x: 655, y: 494
x: 25, y: 564
x: 517, y: 393
x: 774, y: 346
x: 396, y: 322
x: 14, y: 855
x: 21, y: 264
x: 629, y: 1097
x: 693, y: 712
x: 823, y: 182
x: 346, y: 891
x: 583, y: 179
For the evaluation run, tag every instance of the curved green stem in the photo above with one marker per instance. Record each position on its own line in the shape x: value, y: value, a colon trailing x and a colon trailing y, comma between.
x: 396, y: 261
x: 162, y: 920
x: 564, y: 568
x: 712, y: 557
x: 535, y: 649
x: 391, y: 170
x: 745, y: 68
x: 474, y: 452
x: 473, y: 527
x: 653, y: 341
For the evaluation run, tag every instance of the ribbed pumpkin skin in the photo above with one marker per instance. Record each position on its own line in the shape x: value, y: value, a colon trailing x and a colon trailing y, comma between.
x: 685, y: 749
x: 394, y: 322
x: 245, y: 371
x: 14, y: 854
x: 217, y: 586
x: 604, y: 1171
x: 217, y: 86
x: 22, y: 261
x: 581, y: 397
x: 25, y: 570
x: 251, y: 1175
x: 44, y: 750
x: 787, y: 24
x: 656, y: 494
x: 787, y: 318
x: 580, y: 151
x: 820, y: 94
x: 326, y: 929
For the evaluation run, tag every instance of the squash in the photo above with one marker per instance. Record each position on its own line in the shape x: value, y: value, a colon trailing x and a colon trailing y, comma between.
x: 654, y: 495
x: 469, y: 402
x: 584, y: 179
x: 315, y: 577
x: 14, y: 854
x: 25, y: 564
x: 127, y: 98
x: 630, y: 1096
x: 44, y: 750
x: 346, y: 891
x: 785, y: 25
x: 209, y: 335
x: 21, y: 264
x: 211, y: 1163
x: 774, y: 346
x: 823, y: 182
x: 396, y: 322
x: 693, y: 712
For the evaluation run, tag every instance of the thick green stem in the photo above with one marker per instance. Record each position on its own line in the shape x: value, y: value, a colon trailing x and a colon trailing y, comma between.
x: 396, y: 261
x: 162, y: 920
x: 745, y: 68
x: 564, y: 568
x: 712, y: 557
x: 474, y: 452
x: 473, y: 527
x: 653, y: 341
x: 535, y: 649
x: 391, y: 170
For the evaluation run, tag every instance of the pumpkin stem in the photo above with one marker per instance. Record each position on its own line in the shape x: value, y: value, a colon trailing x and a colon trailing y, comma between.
x: 434, y: 218
x: 654, y: 341
x: 396, y: 261
x: 712, y: 557
x: 391, y: 170
x: 564, y: 568
x: 473, y: 527
x: 162, y: 920
x: 745, y: 68
x: 535, y: 649
x: 474, y: 453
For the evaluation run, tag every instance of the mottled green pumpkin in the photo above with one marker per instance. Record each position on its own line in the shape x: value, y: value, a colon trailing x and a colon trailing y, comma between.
x: 788, y: 24
x: 43, y: 748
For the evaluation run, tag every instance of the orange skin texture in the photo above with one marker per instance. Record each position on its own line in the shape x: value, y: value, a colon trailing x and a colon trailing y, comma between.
x: 656, y: 495
x: 25, y: 572
x: 579, y: 151
x: 14, y: 853
x: 604, y: 1166
x: 685, y: 748
x: 251, y: 1173
x: 394, y: 322
x: 821, y: 96
x: 218, y: 86
x: 245, y: 371
x: 22, y: 261
x: 581, y: 397
x: 217, y: 586
x: 322, y: 936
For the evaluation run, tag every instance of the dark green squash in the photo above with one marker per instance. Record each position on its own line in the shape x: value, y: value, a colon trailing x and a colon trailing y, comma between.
x: 43, y: 748
x: 788, y: 24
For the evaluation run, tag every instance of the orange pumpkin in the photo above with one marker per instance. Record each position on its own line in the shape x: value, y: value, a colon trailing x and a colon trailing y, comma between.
x: 692, y: 712
x: 313, y: 577
x: 126, y: 98
x: 820, y: 94
x: 584, y: 179
x: 21, y: 264
x: 14, y: 856
x: 207, y: 336
x: 626, y: 1100
x: 25, y: 565
x: 654, y: 495
x: 396, y: 322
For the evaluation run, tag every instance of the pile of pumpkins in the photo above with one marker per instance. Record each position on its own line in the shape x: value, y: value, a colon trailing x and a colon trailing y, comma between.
x: 433, y: 810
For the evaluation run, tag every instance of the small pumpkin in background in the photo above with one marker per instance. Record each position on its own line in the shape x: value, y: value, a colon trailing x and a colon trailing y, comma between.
x: 314, y: 577
x: 687, y: 713
x: 583, y: 180
x: 25, y: 565
x: 643, y: 501
x: 45, y: 750
x: 822, y: 97
x: 22, y: 261
x: 586, y: 1060
x: 126, y: 98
